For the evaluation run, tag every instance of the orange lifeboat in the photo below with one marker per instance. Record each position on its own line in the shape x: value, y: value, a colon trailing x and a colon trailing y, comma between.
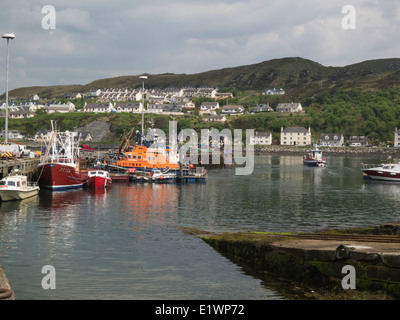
x: 143, y: 158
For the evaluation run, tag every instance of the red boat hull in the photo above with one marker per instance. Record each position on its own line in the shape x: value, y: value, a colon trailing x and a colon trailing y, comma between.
x: 376, y: 174
x: 98, y: 182
x: 57, y: 176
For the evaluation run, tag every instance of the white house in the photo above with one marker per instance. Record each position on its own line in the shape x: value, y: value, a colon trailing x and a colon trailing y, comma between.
x: 261, y: 138
x: 43, y: 134
x: 215, y: 118
x: 358, y: 141
x: 128, y: 107
x: 261, y: 108
x: 21, y: 112
x: 273, y: 91
x: 98, y: 107
x: 58, y: 107
x: 155, y: 108
x: 209, y: 107
x: 206, y: 92
x: 232, y: 109
x: 331, y: 139
x: 294, y: 107
x: 12, y: 134
x: 295, y: 136
x: 189, y: 105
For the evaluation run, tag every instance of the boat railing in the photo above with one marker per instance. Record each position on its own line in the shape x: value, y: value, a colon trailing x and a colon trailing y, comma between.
x: 58, y: 159
x: 372, y: 165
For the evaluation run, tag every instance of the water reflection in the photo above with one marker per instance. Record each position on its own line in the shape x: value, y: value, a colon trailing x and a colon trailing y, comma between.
x: 145, y: 205
x: 21, y: 206
x: 122, y: 243
x: 15, y: 213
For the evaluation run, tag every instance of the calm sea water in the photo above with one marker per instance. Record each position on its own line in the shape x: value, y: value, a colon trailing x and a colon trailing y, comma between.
x: 124, y: 244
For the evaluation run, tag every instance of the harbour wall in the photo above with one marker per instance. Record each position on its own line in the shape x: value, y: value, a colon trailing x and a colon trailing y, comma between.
x: 313, y: 265
x: 26, y: 166
x: 380, y: 152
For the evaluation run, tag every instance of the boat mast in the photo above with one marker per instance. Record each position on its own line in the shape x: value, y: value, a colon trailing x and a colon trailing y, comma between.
x: 143, y: 78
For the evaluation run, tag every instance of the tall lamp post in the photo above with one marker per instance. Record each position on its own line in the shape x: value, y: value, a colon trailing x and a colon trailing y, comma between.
x: 143, y: 78
x: 7, y: 36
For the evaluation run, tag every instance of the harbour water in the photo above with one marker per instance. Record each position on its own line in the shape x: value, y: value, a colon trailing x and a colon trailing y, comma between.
x: 124, y: 244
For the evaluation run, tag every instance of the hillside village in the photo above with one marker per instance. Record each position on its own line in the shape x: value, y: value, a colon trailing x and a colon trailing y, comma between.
x: 178, y: 102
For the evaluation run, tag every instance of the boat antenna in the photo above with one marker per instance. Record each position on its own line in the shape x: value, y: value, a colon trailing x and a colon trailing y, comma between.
x: 143, y: 78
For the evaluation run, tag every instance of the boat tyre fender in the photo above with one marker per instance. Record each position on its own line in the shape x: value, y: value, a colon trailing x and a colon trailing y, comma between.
x: 342, y: 252
x: 5, y: 293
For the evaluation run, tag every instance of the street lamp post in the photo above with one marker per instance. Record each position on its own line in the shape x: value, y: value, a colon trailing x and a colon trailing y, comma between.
x: 7, y: 36
x: 143, y: 78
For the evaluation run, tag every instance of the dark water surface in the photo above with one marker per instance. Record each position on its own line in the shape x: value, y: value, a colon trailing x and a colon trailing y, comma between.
x: 124, y: 244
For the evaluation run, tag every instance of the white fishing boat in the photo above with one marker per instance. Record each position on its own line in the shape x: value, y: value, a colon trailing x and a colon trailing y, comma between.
x: 314, y: 158
x: 17, y: 187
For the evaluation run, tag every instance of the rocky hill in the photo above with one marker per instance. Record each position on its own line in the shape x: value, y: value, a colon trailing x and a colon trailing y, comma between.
x: 295, y: 75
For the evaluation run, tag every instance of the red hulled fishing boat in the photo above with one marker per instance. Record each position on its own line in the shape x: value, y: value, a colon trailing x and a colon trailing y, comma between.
x: 59, y: 167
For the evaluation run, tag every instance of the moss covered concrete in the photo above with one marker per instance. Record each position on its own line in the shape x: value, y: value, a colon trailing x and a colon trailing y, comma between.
x: 313, y: 264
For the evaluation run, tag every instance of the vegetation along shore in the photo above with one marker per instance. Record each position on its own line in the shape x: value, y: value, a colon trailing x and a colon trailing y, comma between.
x: 356, y: 100
x: 375, y: 152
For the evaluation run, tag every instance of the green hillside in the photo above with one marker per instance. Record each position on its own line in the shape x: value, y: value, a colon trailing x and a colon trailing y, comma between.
x: 295, y: 75
x: 359, y: 99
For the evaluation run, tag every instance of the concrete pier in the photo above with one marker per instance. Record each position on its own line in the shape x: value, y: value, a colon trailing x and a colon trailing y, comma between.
x: 25, y: 166
x: 5, y: 290
x: 316, y: 262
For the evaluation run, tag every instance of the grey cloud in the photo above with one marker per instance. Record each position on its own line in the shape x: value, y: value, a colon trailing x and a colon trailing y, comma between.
x: 99, y: 39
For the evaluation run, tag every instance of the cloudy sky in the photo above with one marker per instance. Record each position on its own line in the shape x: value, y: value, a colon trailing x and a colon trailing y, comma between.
x: 96, y: 39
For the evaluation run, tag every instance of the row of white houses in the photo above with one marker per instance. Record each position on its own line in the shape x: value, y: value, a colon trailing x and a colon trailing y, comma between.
x: 165, y: 95
x: 27, y: 109
x: 290, y: 136
x: 206, y: 108
x: 300, y: 136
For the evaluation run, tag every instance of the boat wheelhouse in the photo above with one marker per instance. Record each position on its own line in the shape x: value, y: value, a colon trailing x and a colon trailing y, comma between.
x: 314, y: 158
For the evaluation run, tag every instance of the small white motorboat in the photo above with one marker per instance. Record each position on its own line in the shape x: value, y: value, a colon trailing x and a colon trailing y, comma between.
x: 17, y: 187
x: 384, y: 172
x: 314, y: 158
x: 157, y: 175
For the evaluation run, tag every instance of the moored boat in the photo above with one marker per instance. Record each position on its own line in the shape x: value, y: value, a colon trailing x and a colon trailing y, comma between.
x: 156, y: 175
x: 142, y: 158
x: 17, y: 187
x: 98, y: 179
x: 383, y: 172
x: 59, y: 167
x: 314, y: 158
